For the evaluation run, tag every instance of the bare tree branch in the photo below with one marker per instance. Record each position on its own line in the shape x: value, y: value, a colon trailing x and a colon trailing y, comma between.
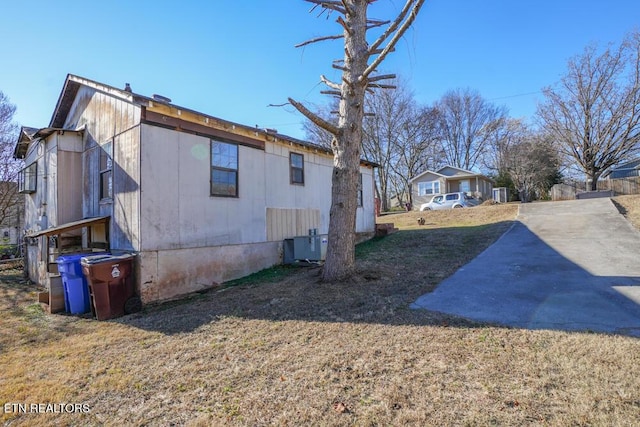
x: 379, y: 51
x: 347, y: 8
x: 376, y: 24
x: 320, y: 39
x: 317, y: 120
x: 468, y: 123
x: 379, y: 86
x: 10, y: 200
x: 338, y: 6
x: 329, y: 83
x: 394, y: 40
x: 376, y: 44
x: 344, y: 25
x: 381, y: 77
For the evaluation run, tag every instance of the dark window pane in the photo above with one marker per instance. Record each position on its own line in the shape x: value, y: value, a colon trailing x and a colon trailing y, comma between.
x: 223, y: 183
x: 106, y: 175
x: 224, y: 169
x: 296, y: 165
x: 297, y: 176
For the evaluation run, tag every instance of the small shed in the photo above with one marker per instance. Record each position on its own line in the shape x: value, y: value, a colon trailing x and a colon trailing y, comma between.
x: 500, y: 194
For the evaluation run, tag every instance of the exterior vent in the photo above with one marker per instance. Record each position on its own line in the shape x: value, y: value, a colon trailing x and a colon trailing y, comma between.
x: 161, y: 98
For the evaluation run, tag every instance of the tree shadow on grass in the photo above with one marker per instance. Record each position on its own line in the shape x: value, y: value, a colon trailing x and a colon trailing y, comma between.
x: 393, y: 272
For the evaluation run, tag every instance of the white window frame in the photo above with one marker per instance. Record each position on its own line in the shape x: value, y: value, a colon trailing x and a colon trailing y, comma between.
x: 429, y: 188
x: 465, y: 183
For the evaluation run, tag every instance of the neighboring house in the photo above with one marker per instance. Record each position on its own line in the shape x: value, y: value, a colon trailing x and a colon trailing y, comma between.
x: 200, y: 200
x: 449, y: 179
x: 626, y: 170
x: 11, y: 217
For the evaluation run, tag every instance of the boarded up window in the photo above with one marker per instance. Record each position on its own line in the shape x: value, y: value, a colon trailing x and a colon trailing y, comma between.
x: 287, y: 223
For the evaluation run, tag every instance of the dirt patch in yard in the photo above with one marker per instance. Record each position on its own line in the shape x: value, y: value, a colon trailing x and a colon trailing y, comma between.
x: 281, y: 348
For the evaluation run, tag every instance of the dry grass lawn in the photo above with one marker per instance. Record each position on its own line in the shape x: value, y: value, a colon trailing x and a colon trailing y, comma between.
x: 629, y: 206
x: 280, y: 348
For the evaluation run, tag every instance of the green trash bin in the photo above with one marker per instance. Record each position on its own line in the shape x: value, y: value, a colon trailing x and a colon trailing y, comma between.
x: 111, y: 286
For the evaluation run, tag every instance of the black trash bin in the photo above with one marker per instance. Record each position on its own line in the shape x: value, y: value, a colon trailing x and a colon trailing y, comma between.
x: 111, y: 286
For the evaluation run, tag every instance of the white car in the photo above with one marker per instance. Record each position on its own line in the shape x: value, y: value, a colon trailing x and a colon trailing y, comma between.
x: 449, y: 201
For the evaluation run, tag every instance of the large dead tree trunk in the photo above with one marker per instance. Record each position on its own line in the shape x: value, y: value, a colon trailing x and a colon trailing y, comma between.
x: 347, y: 141
x: 346, y: 148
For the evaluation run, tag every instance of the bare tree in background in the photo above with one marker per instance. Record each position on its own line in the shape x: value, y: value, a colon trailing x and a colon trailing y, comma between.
x: 467, y: 123
x: 399, y: 136
x: 316, y: 134
x: 382, y: 133
x: 418, y: 147
x: 361, y: 60
x: 532, y: 162
x: 594, y: 114
x: 495, y: 156
x: 9, y: 167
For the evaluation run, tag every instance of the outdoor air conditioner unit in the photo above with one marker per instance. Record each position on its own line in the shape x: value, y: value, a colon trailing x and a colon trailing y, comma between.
x: 305, y: 248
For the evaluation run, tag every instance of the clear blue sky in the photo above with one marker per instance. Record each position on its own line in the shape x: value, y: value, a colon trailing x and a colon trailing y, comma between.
x: 231, y: 59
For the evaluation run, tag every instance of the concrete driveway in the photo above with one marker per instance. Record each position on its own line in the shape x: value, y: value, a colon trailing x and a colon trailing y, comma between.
x: 572, y: 265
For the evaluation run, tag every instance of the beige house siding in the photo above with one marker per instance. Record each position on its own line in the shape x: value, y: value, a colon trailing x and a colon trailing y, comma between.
x: 223, y: 238
x: 286, y: 223
x: 161, y: 208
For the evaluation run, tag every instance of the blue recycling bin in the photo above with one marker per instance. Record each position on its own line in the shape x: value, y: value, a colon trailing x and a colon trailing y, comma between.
x: 76, y: 288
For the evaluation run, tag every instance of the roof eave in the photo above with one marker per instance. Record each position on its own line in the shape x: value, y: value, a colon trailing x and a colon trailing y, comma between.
x: 69, y: 92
